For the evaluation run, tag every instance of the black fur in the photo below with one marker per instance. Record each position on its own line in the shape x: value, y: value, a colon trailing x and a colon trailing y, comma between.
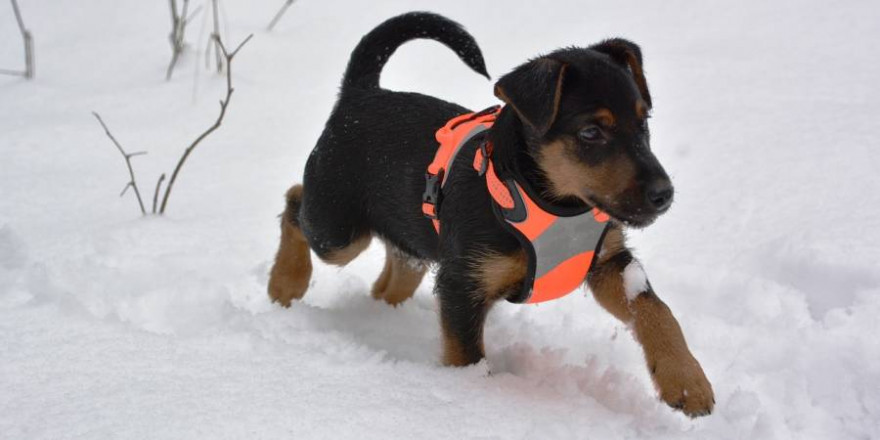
x: 373, y: 51
x: 532, y: 89
x: 366, y: 173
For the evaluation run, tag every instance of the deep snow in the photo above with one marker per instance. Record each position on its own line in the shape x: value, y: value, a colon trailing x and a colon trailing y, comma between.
x: 115, y: 326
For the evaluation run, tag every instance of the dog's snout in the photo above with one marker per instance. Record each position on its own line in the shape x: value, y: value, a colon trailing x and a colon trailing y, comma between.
x: 659, y: 194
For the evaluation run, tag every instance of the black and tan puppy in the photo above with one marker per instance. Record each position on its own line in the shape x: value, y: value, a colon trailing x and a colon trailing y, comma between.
x: 574, y: 129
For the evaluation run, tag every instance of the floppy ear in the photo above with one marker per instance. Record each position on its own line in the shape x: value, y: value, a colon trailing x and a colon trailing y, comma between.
x: 627, y: 54
x: 533, y: 90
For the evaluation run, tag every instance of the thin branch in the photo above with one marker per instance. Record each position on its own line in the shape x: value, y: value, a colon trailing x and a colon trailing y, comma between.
x: 173, y: 4
x: 132, y: 183
x: 28, y: 46
x: 17, y: 14
x: 215, y: 37
x: 278, y: 15
x: 193, y: 14
x: 156, y: 192
x: 223, y: 105
x: 178, y: 29
x: 234, y: 52
x: 30, y: 69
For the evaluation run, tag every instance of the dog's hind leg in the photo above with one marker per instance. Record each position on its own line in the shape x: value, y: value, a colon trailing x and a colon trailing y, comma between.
x: 321, y: 227
x: 330, y: 222
x: 400, y: 277
x: 292, y: 270
x: 343, y: 254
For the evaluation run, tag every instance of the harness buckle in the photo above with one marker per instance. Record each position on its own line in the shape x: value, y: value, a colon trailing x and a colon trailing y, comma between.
x: 431, y: 197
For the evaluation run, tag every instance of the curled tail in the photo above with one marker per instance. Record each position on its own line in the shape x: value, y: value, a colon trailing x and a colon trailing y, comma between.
x: 376, y: 47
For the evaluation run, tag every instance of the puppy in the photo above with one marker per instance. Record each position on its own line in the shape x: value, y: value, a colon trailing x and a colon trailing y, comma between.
x: 574, y: 129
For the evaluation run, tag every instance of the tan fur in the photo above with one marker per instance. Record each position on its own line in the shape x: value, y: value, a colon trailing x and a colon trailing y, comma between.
x: 678, y: 377
x: 498, y: 273
x: 557, y: 96
x: 295, y: 192
x: 384, y: 277
x: 613, y: 243
x: 636, y: 68
x: 399, y: 278
x: 570, y: 178
x: 676, y: 373
x: 641, y: 109
x: 605, y: 118
x: 453, y: 353
x: 341, y: 257
x: 499, y: 92
x: 292, y: 270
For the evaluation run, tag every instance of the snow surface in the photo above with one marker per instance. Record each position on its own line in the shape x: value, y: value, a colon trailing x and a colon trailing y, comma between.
x: 116, y: 326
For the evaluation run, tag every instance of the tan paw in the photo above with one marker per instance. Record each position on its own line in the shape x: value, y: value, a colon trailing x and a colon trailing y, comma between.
x: 683, y: 385
x: 283, y: 289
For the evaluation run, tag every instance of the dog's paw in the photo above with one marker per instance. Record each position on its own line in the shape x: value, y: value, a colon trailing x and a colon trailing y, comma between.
x: 283, y: 289
x: 683, y: 386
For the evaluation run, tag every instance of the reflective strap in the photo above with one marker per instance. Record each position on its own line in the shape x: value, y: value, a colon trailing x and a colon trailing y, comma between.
x: 566, y: 238
x: 477, y: 129
x: 564, y: 253
x: 428, y: 210
x: 454, y: 135
x: 446, y: 137
x: 562, y: 279
x: 563, y: 247
x: 537, y: 220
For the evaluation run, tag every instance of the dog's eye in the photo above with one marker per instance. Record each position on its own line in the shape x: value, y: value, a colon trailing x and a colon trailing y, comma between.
x: 591, y: 133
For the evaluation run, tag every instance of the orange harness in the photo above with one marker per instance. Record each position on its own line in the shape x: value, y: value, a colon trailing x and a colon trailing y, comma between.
x: 560, y: 248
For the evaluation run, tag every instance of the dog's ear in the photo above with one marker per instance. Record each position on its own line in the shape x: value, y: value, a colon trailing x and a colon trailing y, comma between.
x: 627, y: 54
x: 533, y: 90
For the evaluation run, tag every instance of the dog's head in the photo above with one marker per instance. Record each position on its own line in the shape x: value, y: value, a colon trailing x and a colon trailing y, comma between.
x: 584, y: 114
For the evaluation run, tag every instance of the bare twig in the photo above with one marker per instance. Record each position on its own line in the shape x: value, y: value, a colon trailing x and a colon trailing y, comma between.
x: 127, y: 156
x: 278, y: 15
x: 193, y: 14
x: 224, y: 103
x: 156, y: 192
x: 179, y: 21
x: 28, y: 46
x: 215, y: 37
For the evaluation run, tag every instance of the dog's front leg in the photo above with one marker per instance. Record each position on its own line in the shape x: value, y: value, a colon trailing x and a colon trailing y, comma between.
x: 462, y: 315
x: 620, y: 286
x: 467, y: 287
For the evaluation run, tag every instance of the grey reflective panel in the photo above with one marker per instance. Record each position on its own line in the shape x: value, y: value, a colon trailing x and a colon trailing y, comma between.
x: 475, y: 131
x: 564, y: 239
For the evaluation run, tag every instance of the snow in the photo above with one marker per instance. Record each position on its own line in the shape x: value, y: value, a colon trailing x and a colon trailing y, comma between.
x: 116, y: 326
x: 635, y: 281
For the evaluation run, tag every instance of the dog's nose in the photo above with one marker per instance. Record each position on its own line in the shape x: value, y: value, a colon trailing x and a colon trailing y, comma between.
x: 659, y: 193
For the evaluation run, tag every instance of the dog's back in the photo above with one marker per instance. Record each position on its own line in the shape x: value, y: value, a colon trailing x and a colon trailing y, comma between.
x: 366, y: 173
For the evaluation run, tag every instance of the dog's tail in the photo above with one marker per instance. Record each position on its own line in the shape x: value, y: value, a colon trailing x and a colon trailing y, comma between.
x: 376, y: 47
